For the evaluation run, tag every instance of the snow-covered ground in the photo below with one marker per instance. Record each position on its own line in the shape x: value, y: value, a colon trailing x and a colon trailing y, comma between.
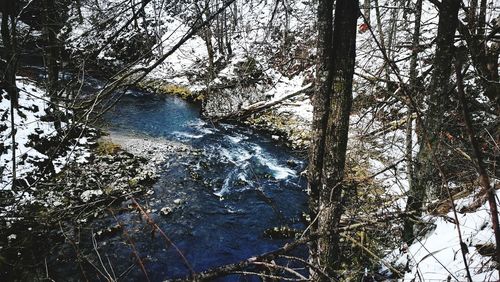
x: 436, y: 256
x: 29, y: 127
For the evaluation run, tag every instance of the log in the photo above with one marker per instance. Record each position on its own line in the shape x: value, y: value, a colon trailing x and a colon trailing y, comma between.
x: 245, y: 112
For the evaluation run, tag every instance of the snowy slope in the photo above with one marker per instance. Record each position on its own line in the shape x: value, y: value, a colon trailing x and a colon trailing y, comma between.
x: 30, y: 126
x: 436, y: 255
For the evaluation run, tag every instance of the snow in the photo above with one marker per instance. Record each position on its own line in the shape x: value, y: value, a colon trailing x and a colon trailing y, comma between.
x: 283, y: 86
x: 437, y: 255
x: 28, y: 123
x: 87, y: 195
x: 29, y: 97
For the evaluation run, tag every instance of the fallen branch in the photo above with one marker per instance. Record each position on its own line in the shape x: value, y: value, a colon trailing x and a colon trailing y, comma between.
x: 260, y: 106
x: 155, y: 227
x: 211, y: 274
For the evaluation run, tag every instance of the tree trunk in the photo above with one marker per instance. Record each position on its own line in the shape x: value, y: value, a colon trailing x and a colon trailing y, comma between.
x: 471, y: 16
x: 79, y: 11
x: 332, y: 107
x: 286, y: 28
x: 320, y: 100
x: 8, y: 74
x: 207, y: 34
x: 484, y: 56
x: 392, y: 36
x: 412, y: 204
x: 366, y: 10
x: 438, y: 101
x: 481, y: 23
x: 484, y: 179
x: 235, y: 15
x: 8, y: 31
x: 52, y: 28
x: 219, y: 32
x: 207, y: 37
x: 227, y: 38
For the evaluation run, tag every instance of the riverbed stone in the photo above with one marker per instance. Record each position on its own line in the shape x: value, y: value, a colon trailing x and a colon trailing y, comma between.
x: 165, y: 211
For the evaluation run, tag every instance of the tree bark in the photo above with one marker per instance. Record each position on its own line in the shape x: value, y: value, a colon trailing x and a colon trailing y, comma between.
x: 207, y: 37
x: 438, y: 101
x: 332, y: 107
x: 484, y: 57
x: 366, y: 10
x: 219, y: 32
x: 227, y: 38
x: 79, y: 11
x: 412, y: 203
x: 52, y: 26
x: 320, y: 100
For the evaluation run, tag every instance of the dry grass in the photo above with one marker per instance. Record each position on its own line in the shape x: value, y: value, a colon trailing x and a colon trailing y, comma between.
x: 106, y: 147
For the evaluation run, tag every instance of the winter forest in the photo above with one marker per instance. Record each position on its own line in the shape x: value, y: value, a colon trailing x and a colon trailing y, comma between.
x: 249, y: 140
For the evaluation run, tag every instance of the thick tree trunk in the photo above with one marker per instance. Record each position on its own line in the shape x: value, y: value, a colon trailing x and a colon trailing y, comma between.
x: 438, y: 101
x: 344, y: 44
x: 8, y: 31
x: 320, y: 100
x: 484, y: 56
x: 332, y: 107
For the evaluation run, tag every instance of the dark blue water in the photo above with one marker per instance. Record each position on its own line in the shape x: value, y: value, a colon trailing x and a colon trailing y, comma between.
x: 236, y: 185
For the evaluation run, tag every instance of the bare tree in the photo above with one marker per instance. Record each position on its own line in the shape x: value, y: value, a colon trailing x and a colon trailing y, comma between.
x: 438, y: 100
x: 413, y: 203
x: 332, y: 107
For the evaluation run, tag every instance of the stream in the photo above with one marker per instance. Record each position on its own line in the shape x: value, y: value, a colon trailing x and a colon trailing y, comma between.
x: 214, y: 202
x: 239, y: 184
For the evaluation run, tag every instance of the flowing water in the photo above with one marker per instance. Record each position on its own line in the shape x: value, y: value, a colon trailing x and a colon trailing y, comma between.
x: 221, y: 196
x: 240, y: 184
